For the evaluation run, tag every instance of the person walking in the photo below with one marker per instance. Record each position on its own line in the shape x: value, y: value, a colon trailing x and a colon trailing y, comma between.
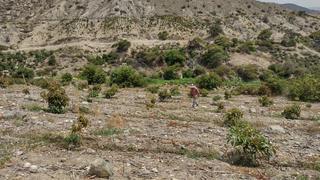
x: 194, y: 92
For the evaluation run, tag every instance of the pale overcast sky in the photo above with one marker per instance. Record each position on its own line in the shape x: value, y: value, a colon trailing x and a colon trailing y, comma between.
x: 306, y: 3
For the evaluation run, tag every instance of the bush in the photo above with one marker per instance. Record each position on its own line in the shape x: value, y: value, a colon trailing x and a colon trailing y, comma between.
x: 171, y: 73
x: 214, y: 57
x: 223, y: 41
x: 126, y: 76
x: 216, y: 98
x: 265, y: 101
x: 96, y: 60
x: 93, y: 74
x: 249, y: 143
x: 56, y: 98
x: 74, y: 138
x: 265, y: 35
x: 187, y: 73
x: 23, y: 72
x: 66, y: 78
x: 305, y: 89
x: 292, y: 112
x: 110, y: 58
x: 164, y: 95
x: 111, y: 92
x: 150, y: 57
x: 232, y: 117
x: 209, y: 81
x: 122, y: 46
x: 289, y: 39
x: 52, y: 61
x: 198, y: 71
x: 174, y: 57
x: 276, y: 86
x: 215, y: 30
x: 247, y: 47
x: 95, y: 91
x: 225, y: 71
x: 163, y: 35
x: 5, y: 82
x: 153, y: 89
x: 248, y: 72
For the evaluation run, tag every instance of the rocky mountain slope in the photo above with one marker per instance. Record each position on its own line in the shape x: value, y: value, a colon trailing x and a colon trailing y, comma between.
x: 38, y: 22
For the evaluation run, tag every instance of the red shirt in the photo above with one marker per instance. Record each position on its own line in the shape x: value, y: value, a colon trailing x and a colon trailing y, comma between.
x: 194, y: 91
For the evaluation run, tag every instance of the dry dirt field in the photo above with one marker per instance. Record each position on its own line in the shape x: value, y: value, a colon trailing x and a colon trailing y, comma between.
x: 169, y: 141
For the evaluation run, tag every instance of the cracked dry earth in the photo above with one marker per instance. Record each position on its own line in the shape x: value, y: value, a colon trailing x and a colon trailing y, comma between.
x: 151, y: 142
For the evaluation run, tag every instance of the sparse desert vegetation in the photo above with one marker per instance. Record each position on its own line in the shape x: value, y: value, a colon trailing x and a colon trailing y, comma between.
x: 109, y: 97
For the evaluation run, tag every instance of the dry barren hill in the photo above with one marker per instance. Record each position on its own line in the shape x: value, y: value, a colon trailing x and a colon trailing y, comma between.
x: 39, y: 22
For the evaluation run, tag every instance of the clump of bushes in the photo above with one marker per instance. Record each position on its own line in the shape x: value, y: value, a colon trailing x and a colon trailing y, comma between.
x: 164, y: 95
x: 150, y: 57
x: 174, y: 57
x: 227, y: 94
x: 163, y: 35
x: 265, y: 35
x: 74, y: 138
x: 209, y: 81
x: 175, y: 91
x: 265, y: 101
x: 247, y: 47
x: 232, y: 117
x: 56, y: 98
x: 292, y: 112
x: 126, y: 76
x: 111, y: 92
x: 305, y: 89
x: 24, y: 72
x: 204, y: 93
x: 122, y: 46
x: 93, y: 74
x: 214, y: 57
x: 170, y: 73
x: 248, y: 72
x: 249, y: 144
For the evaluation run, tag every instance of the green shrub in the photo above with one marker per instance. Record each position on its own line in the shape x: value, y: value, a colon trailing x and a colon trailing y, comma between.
x: 289, y: 39
x: 52, y: 61
x: 247, y: 47
x: 94, y: 91
x: 66, y: 78
x: 23, y: 72
x: 209, y: 81
x: 164, y: 95
x: 232, y: 117
x: 249, y: 143
x: 170, y: 73
x: 163, y: 35
x: 96, y: 60
x: 225, y: 71
x: 223, y: 41
x: 153, y: 89
x: 56, y: 98
x: 265, y: 35
x: 305, y: 89
x: 122, y: 46
x: 215, y: 30
x: 93, y: 74
x: 198, y: 71
x: 111, y: 92
x: 174, y: 57
x: 73, y: 139
x: 187, y: 73
x: 196, y: 44
x: 221, y: 107
x: 111, y: 57
x: 150, y: 57
x: 276, y: 86
x: 248, y: 72
x: 265, y: 101
x: 126, y: 76
x: 41, y: 82
x: 5, y: 82
x: 292, y: 112
x: 214, y: 57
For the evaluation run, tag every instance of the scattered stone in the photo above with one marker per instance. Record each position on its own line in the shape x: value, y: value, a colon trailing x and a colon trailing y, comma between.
x: 100, y: 168
x: 155, y: 170
x: 252, y: 110
x: 27, y: 165
x: 33, y: 169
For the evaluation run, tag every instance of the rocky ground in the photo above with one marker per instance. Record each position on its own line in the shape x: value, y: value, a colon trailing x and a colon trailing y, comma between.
x: 170, y: 141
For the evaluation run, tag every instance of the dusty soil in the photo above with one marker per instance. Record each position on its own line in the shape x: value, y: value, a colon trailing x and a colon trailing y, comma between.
x: 150, y: 142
